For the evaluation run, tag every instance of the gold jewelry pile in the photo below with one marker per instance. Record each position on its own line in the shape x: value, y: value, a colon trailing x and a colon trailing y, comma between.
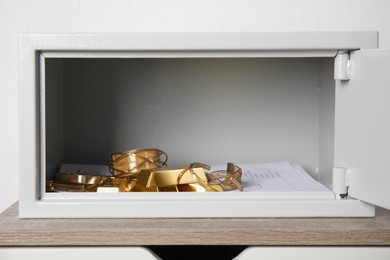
x: 145, y: 170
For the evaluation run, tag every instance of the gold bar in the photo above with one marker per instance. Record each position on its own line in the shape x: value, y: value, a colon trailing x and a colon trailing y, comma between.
x: 168, y: 189
x: 164, y: 177
x: 123, y: 184
x: 195, y: 187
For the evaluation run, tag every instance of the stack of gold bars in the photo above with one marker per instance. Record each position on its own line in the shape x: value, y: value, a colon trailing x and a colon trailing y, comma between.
x: 145, y: 170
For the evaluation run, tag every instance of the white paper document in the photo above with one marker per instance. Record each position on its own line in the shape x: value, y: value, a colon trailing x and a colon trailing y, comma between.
x: 271, y: 177
x: 87, y: 169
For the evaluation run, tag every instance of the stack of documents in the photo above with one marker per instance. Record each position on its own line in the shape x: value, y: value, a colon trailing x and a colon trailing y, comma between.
x: 276, y: 177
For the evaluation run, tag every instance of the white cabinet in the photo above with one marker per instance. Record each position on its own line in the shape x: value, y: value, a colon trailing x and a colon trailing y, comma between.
x: 142, y: 253
x: 318, y: 99
x: 62, y: 253
x: 320, y: 253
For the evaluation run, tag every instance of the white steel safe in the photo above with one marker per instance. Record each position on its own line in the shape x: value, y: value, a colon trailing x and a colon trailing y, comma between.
x: 318, y: 99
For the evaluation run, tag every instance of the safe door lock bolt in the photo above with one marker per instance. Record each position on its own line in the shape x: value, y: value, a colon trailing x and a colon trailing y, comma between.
x: 340, y: 182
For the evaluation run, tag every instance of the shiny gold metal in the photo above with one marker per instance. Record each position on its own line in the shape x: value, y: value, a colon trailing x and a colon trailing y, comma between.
x: 195, y: 187
x: 129, y: 163
x: 73, y: 182
x: 123, y: 184
x: 191, y: 187
x: 168, y: 189
x: 135, y: 187
x: 164, y: 177
x: 52, y: 186
x: 196, y: 177
x: 189, y: 179
x: 228, y: 180
x: 74, y: 178
x: 140, y: 170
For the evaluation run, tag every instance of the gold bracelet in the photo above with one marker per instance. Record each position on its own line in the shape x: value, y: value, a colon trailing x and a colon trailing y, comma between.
x: 140, y: 170
x: 228, y: 180
x: 74, y: 182
x: 130, y: 163
x: 75, y: 178
x: 203, y: 182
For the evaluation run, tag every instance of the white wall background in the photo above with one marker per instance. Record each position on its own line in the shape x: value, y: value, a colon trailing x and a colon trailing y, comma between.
x: 71, y: 16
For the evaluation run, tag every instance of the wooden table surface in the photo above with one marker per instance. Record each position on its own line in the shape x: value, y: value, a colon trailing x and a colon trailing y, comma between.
x: 226, y: 231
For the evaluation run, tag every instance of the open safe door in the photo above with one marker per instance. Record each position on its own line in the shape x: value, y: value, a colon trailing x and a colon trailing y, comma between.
x: 362, y: 126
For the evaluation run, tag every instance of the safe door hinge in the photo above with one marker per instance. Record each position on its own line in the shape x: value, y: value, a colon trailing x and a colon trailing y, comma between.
x: 342, y: 66
x: 340, y: 182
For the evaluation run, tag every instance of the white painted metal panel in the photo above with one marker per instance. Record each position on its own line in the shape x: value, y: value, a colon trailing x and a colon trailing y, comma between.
x: 318, y: 253
x: 362, y: 137
x: 194, y: 42
x: 191, y: 206
x: 61, y: 253
x: 35, y: 203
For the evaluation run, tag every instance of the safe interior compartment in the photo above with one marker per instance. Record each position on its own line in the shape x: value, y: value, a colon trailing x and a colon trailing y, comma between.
x: 227, y: 107
x: 212, y: 110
